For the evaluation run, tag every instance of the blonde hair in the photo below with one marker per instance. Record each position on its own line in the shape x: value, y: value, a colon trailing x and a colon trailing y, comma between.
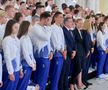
x: 87, y: 25
x: 2, y: 13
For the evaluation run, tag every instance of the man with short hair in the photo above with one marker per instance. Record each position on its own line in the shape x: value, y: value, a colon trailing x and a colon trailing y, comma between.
x: 40, y: 36
x: 58, y: 43
x: 71, y: 52
x: 2, y: 31
x: 10, y: 11
x: 39, y: 10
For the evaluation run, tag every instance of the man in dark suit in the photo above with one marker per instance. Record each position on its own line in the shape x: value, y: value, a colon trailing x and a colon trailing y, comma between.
x: 71, y: 52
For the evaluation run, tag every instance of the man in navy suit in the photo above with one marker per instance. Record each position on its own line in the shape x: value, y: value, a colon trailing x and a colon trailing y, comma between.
x: 71, y: 52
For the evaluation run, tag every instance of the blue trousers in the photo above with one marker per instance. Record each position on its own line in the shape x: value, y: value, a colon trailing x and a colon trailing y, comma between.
x: 8, y: 84
x: 23, y: 83
x: 101, y: 62
x: 55, y: 71
x: 42, y: 72
x: 106, y: 64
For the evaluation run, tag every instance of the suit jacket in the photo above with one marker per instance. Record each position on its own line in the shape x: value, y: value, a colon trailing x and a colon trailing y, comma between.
x: 70, y: 41
x: 79, y: 43
x: 87, y: 41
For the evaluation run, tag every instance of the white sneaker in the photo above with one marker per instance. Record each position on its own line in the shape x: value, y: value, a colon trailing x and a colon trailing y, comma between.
x: 106, y: 76
x: 103, y: 76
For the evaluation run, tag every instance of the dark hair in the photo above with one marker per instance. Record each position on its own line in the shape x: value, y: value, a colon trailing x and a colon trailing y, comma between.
x: 93, y: 16
x: 30, y: 7
x: 64, y: 6
x: 98, y: 14
x: 9, y: 25
x: 38, y: 3
x: 46, y: 3
x: 97, y: 17
x: 17, y: 0
x: 92, y: 12
x: 22, y: 3
x: 23, y: 28
x: 100, y: 26
x: 102, y: 15
x: 106, y: 18
x: 76, y: 11
x: 88, y: 17
x: 77, y: 6
x: 45, y: 15
x: 17, y: 16
x: 33, y: 12
x: 39, y: 6
x: 71, y: 7
x: 55, y: 15
x: 54, y: 6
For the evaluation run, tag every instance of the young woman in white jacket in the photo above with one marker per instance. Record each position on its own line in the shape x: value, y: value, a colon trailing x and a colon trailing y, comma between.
x: 12, y: 69
x: 102, y: 51
x: 27, y: 59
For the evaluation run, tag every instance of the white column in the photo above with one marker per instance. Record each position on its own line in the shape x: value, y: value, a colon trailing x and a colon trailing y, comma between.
x: 97, y: 5
x: 91, y: 4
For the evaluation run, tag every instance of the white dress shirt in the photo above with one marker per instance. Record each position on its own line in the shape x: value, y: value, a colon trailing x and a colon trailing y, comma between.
x: 11, y: 50
x: 57, y: 38
x: 27, y: 50
x: 101, y: 40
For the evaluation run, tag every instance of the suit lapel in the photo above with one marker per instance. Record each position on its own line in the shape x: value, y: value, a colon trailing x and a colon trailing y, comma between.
x: 79, y: 34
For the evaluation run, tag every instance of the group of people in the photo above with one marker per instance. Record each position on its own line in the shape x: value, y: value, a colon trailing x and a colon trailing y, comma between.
x: 40, y: 44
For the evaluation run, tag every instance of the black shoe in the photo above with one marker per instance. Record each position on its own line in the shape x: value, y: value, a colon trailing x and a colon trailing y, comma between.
x: 86, y: 87
x: 89, y: 84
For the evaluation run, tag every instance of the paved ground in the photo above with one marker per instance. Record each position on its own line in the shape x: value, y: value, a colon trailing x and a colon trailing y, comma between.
x: 98, y: 84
